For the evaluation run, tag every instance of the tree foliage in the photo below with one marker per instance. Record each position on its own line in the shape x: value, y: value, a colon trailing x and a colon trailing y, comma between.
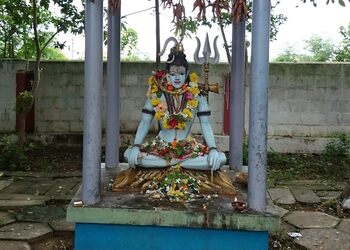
x: 14, y: 27
x: 128, y: 40
x: 221, y: 13
x: 36, y: 24
x: 314, y: 2
x: 321, y: 49
x: 342, y: 54
x: 17, y: 29
x: 318, y: 48
x: 288, y: 55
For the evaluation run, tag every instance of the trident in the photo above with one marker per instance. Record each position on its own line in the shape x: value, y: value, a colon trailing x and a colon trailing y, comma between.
x: 206, y: 60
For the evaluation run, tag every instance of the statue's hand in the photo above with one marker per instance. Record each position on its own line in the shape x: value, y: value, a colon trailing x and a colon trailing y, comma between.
x: 214, y: 159
x: 133, y: 157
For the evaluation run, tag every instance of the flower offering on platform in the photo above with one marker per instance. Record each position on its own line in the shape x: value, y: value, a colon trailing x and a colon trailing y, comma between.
x: 176, y: 185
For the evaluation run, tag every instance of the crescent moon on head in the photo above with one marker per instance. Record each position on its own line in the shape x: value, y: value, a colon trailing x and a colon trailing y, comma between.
x: 171, y: 60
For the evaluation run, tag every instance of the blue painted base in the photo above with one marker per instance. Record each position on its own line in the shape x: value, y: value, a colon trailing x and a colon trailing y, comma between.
x: 108, y: 236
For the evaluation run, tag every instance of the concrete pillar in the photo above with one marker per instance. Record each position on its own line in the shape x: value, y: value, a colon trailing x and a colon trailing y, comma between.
x: 92, y: 102
x: 237, y: 95
x: 258, y: 105
x: 113, y: 87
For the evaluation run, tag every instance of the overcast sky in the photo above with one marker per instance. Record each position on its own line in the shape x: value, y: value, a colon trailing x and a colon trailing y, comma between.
x: 303, y: 22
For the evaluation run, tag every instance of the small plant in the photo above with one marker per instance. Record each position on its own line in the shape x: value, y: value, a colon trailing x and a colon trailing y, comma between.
x: 337, y: 157
x: 123, y: 147
x: 339, y: 147
x: 24, y: 100
x: 11, y: 158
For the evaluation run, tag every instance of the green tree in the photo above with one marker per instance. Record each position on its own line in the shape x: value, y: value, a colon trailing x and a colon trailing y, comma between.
x: 14, y: 27
x: 321, y: 50
x: 342, y: 53
x: 314, y: 2
x: 51, y: 52
x: 128, y: 40
x: 37, y: 22
x: 16, y: 33
x: 128, y: 36
x: 222, y: 14
x: 288, y: 55
x: 135, y: 58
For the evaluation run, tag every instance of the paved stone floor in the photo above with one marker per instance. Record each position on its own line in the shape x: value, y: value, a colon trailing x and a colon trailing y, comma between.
x: 297, y: 203
x: 32, y: 211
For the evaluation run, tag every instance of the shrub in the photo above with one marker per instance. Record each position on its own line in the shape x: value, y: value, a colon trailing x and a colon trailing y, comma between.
x: 339, y: 147
x: 11, y: 158
x: 337, y: 157
x: 122, y: 149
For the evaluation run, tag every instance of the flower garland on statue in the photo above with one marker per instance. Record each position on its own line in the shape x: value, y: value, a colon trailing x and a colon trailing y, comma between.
x: 182, y: 149
x: 157, y: 84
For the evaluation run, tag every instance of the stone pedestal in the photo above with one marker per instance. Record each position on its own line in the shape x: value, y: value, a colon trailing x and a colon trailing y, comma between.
x: 134, y: 221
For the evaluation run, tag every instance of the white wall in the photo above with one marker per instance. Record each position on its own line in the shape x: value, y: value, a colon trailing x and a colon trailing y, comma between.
x: 306, y: 101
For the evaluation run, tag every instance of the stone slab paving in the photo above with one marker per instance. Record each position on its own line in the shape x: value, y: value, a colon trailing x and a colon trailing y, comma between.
x: 325, y: 239
x: 344, y: 226
x: 42, y: 174
x: 5, y: 183
x: 281, y: 196
x: 16, y: 204
x: 14, y: 245
x: 40, y: 214
x: 41, y: 188
x: 302, y: 219
x: 23, y: 197
x: 328, y: 195
x: 6, y: 218
x: 31, y: 191
x: 64, y: 187
x: 316, y: 185
x: 61, y: 225
x: 305, y: 195
x: 26, y: 185
x: 16, y: 201
x: 335, y: 186
x: 25, y: 231
x: 300, y: 182
x: 277, y: 210
x: 32, y: 221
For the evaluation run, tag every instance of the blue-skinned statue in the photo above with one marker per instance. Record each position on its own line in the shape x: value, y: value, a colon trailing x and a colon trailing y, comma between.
x: 175, y: 100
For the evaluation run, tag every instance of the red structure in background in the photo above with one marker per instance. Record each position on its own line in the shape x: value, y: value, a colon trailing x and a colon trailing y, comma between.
x: 23, y: 82
x: 227, y: 105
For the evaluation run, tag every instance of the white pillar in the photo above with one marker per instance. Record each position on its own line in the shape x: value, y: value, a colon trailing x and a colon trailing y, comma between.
x: 92, y: 102
x: 258, y: 105
x: 237, y: 95
x: 113, y: 86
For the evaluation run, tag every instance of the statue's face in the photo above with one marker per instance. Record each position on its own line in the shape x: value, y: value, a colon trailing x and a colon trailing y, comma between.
x: 177, y: 76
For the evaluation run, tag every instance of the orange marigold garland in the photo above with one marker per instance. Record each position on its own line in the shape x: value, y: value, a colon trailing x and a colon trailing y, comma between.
x: 190, y: 92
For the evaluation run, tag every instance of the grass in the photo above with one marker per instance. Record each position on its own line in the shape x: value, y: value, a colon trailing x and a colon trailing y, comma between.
x: 307, y: 166
x: 333, y: 164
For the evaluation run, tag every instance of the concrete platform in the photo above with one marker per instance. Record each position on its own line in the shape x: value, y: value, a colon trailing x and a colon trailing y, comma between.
x: 126, y: 218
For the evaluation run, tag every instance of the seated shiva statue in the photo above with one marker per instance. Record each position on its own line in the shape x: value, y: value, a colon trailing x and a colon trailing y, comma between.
x: 175, y: 100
